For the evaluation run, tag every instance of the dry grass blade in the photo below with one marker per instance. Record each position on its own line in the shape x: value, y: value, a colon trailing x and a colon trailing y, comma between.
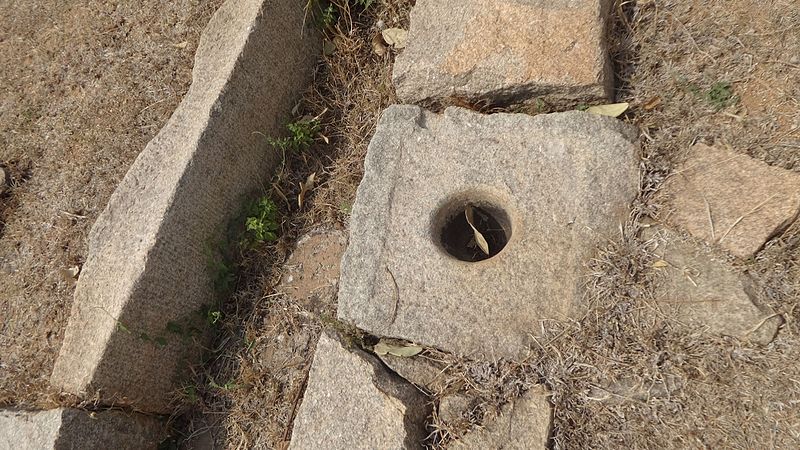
x: 304, y: 188
x: 742, y: 217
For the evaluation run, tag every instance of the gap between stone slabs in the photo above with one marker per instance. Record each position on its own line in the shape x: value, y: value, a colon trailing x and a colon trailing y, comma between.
x: 147, y: 273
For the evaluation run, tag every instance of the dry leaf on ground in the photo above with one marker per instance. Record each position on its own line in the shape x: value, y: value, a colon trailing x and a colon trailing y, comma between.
x: 395, y: 37
x: 378, y: 46
x: 611, y: 110
x: 328, y: 47
x: 304, y: 188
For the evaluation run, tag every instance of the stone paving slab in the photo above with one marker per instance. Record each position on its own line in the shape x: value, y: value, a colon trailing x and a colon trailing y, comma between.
x: 505, y: 50
x: 65, y: 428
x: 732, y: 200
x: 554, y: 186
x: 353, y: 402
x: 701, y: 290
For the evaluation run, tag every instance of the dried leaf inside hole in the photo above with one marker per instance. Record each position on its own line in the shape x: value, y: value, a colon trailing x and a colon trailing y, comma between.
x: 479, y: 239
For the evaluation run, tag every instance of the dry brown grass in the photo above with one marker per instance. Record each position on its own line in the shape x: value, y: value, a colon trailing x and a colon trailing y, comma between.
x: 85, y: 85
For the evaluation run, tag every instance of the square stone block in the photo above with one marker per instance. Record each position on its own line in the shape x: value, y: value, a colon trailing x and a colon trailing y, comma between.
x: 505, y: 50
x: 543, y: 192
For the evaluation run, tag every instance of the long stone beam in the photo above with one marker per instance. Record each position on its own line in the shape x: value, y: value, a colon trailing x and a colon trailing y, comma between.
x: 146, y: 276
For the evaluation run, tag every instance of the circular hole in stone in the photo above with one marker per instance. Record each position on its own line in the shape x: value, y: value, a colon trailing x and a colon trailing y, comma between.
x: 458, y: 238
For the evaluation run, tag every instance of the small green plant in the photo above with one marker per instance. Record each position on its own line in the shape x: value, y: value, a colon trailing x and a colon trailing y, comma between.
x: 301, y: 136
x: 720, y: 95
x: 121, y: 327
x: 190, y: 393
x: 229, y: 386
x: 261, y: 224
x: 540, y: 106
x: 324, y: 13
x: 364, y: 3
x: 213, y: 317
x: 330, y: 15
x: 175, y: 328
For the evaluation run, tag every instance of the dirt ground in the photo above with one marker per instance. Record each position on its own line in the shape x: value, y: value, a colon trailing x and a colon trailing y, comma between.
x: 84, y: 85
x: 722, y: 73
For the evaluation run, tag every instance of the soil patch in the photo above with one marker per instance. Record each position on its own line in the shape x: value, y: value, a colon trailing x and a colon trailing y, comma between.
x: 85, y: 86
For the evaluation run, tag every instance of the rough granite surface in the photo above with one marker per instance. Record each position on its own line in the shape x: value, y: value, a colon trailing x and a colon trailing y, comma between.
x: 67, y: 429
x: 565, y: 181
x: 732, y: 200
x: 354, y: 402
x: 701, y: 290
x: 505, y: 50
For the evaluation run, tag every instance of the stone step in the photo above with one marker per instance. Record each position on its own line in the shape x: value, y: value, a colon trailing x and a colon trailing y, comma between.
x: 732, y: 200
